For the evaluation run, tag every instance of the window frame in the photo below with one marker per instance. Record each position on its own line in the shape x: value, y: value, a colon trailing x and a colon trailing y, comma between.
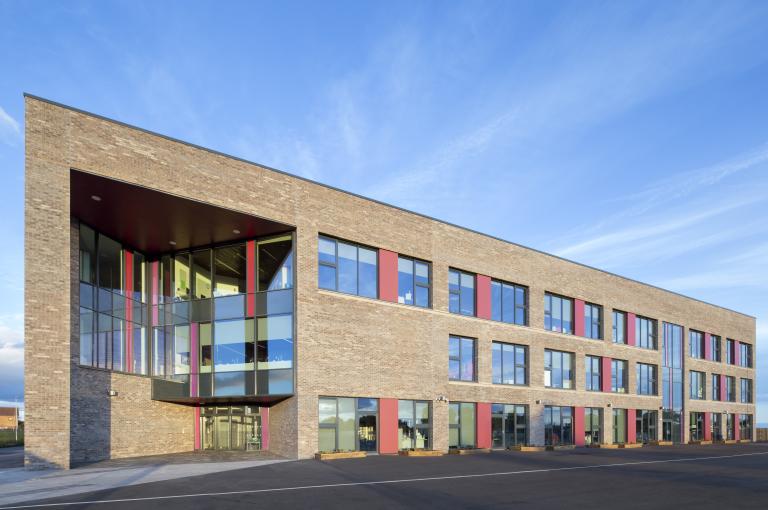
x: 746, y: 397
x: 640, y: 340
x: 415, y: 283
x: 514, y: 348
x: 615, y: 329
x: 460, y: 358
x: 335, y: 266
x: 589, y: 325
x: 571, y: 370
x: 548, y: 297
x: 696, y: 347
x: 589, y: 384
x: 697, y: 384
x: 515, y: 306
x: 615, y: 388
x: 647, y: 372
x: 458, y: 293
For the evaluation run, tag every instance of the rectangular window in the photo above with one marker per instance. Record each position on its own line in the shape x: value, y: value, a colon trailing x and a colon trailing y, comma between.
x: 594, y: 373
x: 461, y: 358
x: 461, y: 425
x: 730, y: 388
x: 715, y: 386
x: 593, y: 321
x: 717, y: 426
x: 696, y: 340
x: 746, y: 391
x: 619, y: 426
x: 509, y: 303
x: 745, y: 426
x: 347, y: 268
x: 593, y: 425
x: 509, y: 425
x: 413, y: 282
x: 619, y: 327
x: 347, y: 424
x: 645, y: 333
x: 461, y: 292
x: 646, y: 424
x: 414, y: 425
x: 730, y: 426
x: 715, y: 347
x: 619, y: 376
x: 558, y: 369
x: 697, y: 426
x: 558, y: 425
x: 730, y: 351
x: 646, y: 379
x: 509, y: 363
x: 698, y: 385
x: 745, y: 355
x: 558, y: 313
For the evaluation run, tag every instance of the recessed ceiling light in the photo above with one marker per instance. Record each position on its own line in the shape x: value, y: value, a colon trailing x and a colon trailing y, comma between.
x: 235, y: 231
x: 96, y: 198
x: 172, y: 243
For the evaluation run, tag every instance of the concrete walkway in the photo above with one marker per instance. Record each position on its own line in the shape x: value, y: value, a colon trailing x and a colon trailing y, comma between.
x: 18, y: 485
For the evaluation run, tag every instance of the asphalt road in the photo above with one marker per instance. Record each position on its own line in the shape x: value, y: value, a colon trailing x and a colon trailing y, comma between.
x: 12, y: 457
x: 701, y: 477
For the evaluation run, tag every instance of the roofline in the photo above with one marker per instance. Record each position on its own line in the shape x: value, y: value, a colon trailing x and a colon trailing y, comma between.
x: 328, y: 186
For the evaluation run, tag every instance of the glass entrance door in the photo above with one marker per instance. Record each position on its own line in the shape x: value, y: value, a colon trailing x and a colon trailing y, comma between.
x: 230, y: 428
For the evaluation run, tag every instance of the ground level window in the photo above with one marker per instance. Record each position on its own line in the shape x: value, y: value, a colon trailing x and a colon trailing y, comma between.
x: 461, y: 425
x: 509, y: 425
x: 593, y: 420
x: 347, y: 424
x: 413, y: 425
x: 717, y: 426
x: 697, y: 426
x: 619, y: 426
x: 646, y: 424
x: 730, y: 426
x: 745, y: 426
x: 558, y: 425
x: 231, y: 428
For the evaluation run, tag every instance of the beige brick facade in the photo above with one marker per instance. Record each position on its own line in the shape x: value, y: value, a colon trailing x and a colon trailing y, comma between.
x: 345, y: 345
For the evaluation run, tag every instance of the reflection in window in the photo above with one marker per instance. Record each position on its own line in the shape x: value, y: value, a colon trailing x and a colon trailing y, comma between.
x: 233, y: 345
x: 645, y: 333
x: 461, y: 290
x: 619, y: 376
x: 558, y: 425
x: 461, y: 425
x: 646, y: 379
x: 697, y: 385
x: 558, y: 369
x: 558, y: 313
x: 275, y: 263
x: 229, y: 263
x: 696, y: 343
x: 412, y: 282
x: 461, y: 359
x: 347, y: 268
x: 509, y: 303
x: 594, y: 370
x: 509, y: 363
x: 593, y: 321
x: 413, y: 425
x: 201, y: 263
x: 619, y: 327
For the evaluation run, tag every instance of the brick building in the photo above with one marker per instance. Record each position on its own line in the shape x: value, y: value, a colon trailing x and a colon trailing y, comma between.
x: 178, y: 298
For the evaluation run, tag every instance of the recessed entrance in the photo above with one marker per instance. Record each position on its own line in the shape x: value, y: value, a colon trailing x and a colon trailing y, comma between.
x: 231, y: 428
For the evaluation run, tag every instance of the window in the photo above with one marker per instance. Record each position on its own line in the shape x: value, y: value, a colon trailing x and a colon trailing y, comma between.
x: 619, y: 327
x: 461, y: 292
x: 746, y: 391
x: 593, y: 424
x: 558, y: 425
x: 717, y: 354
x: 619, y: 376
x: 730, y: 426
x: 697, y: 426
x: 745, y: 426
x: 745, y: 355
x: 717, y: 426
x: 558, y: 313
x: 413, y: 424
x: 413, y: 282
x: 696, y: 339
x: 347, y: 268
x: 229, y: 266
x: 461, y: 425
x: 730, y: 388
x: 619, y: 426
x: 509, y: 363
x: 730, y: 351
x: 509, y: 303
x: 646, y: 424
x: 697, y: 385
x: 274, y: 260
x: 646, y: 379
x: 645, y: 333
x: 558, y: 369
x: 593, y: 321
x: 715, y: 386
x: 594, y: 373
x: 347, y: 424
x: 509, y: 425
x: 461, y: 359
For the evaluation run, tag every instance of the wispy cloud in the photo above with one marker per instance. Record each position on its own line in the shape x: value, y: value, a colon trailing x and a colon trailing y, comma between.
x: 10, y: 132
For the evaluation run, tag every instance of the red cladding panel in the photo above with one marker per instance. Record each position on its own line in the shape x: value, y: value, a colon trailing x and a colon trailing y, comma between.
x: 388, y: 424
x: 483, y: 296
x: 631, y: 339
x: 578, y: 319
x: 197, y: 428
x: 707, y: 426
x: 736, y: 353
x: 578, y: 426
x: 250, y: 277
x: 707, y: 346
x: 606, y: 374
x: 388, y: 276
x: 631, y: 426
x: 483, y: 425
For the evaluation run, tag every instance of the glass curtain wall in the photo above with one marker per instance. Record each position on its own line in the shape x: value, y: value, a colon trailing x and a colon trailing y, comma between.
x: 672, y: 383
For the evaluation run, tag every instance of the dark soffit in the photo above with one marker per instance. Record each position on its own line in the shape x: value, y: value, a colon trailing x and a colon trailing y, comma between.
x: 148, y: 220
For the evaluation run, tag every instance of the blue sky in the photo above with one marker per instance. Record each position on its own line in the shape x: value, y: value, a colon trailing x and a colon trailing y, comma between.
x: 630, y: 136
